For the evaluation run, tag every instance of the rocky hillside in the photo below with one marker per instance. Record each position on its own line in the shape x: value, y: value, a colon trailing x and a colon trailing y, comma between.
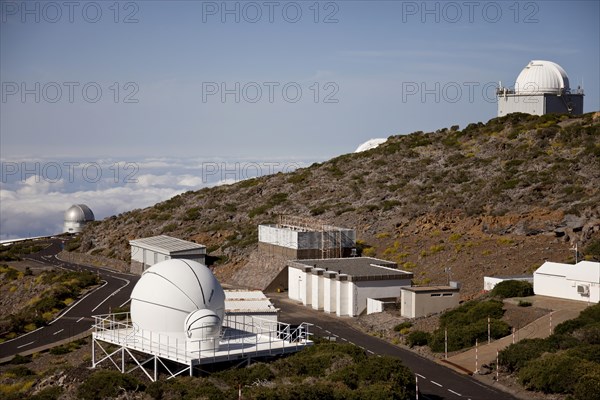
x: 496, y: 198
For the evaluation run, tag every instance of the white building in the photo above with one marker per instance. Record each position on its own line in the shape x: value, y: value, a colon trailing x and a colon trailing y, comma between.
x: 566, y: 281
x: 76, y: 217
x: 419, y: 301
x: 246, y: 306
x: 148, y: 251
x: 343, y: 285
x: 541, y: 88
x: 490, y: 282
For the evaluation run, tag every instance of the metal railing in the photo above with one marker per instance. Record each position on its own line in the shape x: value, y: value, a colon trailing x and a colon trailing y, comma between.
x: 239, y: 338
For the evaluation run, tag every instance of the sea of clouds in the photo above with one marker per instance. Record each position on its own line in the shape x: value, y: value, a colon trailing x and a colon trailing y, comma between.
x: 35, y: 193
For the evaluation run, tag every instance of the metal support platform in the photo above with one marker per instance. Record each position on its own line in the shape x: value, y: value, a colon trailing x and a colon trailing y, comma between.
x: 239, y: 341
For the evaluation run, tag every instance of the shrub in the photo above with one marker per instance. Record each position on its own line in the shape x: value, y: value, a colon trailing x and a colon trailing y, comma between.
x: 403, y: 325
x: 523, y: 303
x: 516, y: 356
x: 554, y: 373
x: 588, y: 386
x: 418, y: 338
x: 19, y: 359
x: 507, y: 289
x: 102, y: 384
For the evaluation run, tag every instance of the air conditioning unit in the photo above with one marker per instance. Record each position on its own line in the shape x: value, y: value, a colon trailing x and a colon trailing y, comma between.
x: 583, y: 290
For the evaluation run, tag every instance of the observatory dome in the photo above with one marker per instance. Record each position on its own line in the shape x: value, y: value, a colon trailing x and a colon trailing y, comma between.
x: 170, y: 290
x: 542, y: 77
x: 369, y: 144
x: 79, y: 213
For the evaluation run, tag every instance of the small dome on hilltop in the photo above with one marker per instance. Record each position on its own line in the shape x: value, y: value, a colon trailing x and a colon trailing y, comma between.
x: 369, y: 144
x: 76, y: 217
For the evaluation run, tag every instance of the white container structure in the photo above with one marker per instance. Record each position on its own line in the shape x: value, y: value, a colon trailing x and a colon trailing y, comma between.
x: 567, y: 281
x: 419, y: 301
x: 148, y: 251
x: 178, y: 313
x: 343, y: 285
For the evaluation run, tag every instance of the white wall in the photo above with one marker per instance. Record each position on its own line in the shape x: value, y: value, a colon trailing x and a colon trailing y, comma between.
x: 559, y: 286
x: 329, y: 295
x: 296, y: 286
x: 374, y: 306
x: 278, y: 236
x: 317, y: 291
x: 407, y: 304
x: 375, y: 289
x: 342, y: 306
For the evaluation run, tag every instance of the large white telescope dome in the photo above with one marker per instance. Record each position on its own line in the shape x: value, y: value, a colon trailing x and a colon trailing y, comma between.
x: 171, y: 290
x: 542, y: 77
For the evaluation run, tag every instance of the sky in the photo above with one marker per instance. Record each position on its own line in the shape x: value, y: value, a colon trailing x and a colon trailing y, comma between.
x: 200, y: 82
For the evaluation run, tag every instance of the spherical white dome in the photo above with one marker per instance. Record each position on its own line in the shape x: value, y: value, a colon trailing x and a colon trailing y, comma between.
x: 369, y: 144
x: 542, y: 77
x: 79, y: 213
x: 170, y: 290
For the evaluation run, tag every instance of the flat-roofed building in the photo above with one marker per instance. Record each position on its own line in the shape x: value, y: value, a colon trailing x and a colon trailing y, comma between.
x: 151, y: 250
x: 419, y: 301
x: 343, y: 285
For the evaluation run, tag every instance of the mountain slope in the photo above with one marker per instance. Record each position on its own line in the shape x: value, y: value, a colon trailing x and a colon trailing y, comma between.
x: 493, y: 198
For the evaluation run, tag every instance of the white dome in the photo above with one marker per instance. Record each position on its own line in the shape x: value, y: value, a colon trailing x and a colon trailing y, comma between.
x: 170, y: 290
x: 79, y: 213
x: 542, y: 77
x: 369, y: 144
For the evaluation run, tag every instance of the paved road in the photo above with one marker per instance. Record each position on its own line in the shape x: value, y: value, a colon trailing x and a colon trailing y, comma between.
x: 114, y: 292
x: 435, y: 381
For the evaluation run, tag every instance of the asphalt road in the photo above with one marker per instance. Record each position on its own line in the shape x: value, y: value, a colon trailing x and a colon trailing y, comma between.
x: 435, y: 381
x: 114, y: 291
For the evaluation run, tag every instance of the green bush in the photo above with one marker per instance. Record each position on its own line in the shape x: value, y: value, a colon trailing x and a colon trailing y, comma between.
x: 588, y: 386
x: 403, y: 325
x: 517, y: 355
x: 507, y: 289
x: 523, y: 303
x: 418, y: 338
x: 103, y: 384
x: 20, y: 371
x: 554, y: 373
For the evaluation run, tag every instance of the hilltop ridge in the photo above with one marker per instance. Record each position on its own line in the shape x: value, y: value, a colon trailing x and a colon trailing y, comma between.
x: 491, y: 199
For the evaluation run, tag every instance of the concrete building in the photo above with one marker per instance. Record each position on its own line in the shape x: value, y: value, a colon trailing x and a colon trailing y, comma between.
x: 148, y: 251
x: 343, y: 285
x: 76, y: 217
x: 541, y: 88
x: 419, y: 301
x: 490, y: 282
x: 566, y: 281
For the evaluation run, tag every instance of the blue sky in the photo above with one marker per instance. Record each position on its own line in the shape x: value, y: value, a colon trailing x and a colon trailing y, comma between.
x: 363, y: 60
x: 306, y: 90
